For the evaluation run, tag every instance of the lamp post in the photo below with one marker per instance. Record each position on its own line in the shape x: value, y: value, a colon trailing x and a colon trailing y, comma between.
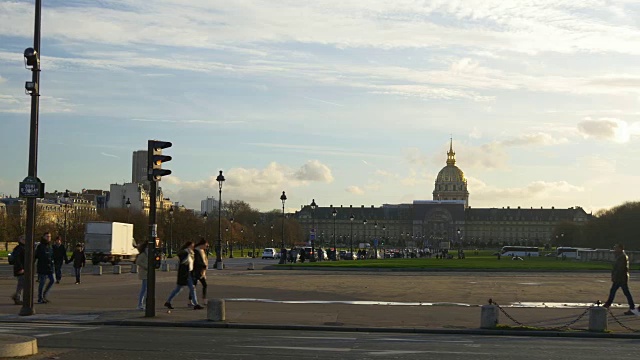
x: 171, y: 231
x: 384, y: 235
x: 231, y: 240
x: 364, y: 232
x: 351, y: 218
x: 375, y: 240
x: 313, y: 229
x: 128, y: 205
x: 66, y: 210
x: 219, y: 265
x: 283, y: 198
x: 271, y: 234
x: 255, y: 238
x: 334, y: 213
x: 242, y: 243
x: 205, y: 216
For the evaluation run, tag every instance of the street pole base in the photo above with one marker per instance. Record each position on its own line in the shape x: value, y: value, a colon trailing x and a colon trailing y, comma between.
x: 26, y: 311
x: 220, y: 265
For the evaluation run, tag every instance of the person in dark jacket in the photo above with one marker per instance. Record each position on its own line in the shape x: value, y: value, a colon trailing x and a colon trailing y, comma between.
x: 185, y: 278
x: 18, y: 269
x: 79, y: 259
x: 44, y: 257
x: 620, y: 279
x: 59, y: 257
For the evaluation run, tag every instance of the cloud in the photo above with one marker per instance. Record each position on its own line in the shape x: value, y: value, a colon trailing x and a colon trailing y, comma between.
x: 314, y: 170
x: 355, y: 190
x: 539, y: 138
x: 109, y: 155
x: 610, y: 129
x: 535, y: 190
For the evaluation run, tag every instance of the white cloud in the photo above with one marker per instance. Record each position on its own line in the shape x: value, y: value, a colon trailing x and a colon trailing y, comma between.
x: 355, y: 190
x: 534, y: 190
x: 611, y: 129
x: 314, y: 170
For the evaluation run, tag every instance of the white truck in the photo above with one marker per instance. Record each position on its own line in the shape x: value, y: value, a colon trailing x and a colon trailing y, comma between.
x: 106, y: 241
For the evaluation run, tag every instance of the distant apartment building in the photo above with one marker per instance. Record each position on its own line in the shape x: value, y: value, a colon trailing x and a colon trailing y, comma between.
x: 139, y: 168
x: 209, y: 205
x: 136, y: 196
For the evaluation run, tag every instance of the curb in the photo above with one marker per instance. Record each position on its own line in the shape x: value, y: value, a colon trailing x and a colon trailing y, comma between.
x: 17, y: 346
x: 486, y: 332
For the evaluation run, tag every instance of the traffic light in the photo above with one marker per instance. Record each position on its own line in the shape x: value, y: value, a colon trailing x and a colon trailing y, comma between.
x: 156, y: 159
x: 157, y: 259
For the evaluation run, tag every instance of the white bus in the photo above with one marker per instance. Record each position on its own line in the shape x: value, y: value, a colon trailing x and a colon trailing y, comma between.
x: 570, y: 252
x: 520, y: 251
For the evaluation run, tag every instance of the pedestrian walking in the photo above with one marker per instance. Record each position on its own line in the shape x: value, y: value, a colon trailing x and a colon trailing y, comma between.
x: 185, y: 267
x: 620, y: 279
x: 79, y: 260
x: 44, y: 257
x: 142, y: 261
x: 59, y: 257
x: 200, y: 262
x: 18, y: 269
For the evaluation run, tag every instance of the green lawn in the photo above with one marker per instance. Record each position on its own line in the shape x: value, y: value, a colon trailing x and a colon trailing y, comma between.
x: 470, y: 263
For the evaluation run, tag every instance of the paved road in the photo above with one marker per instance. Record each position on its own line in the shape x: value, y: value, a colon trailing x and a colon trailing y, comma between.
x: 81, y: 342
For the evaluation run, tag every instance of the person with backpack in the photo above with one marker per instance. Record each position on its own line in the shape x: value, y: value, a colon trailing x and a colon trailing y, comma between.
x: 17, y: 260
x: 185, y: 269
x: 79, y: 259
x: 44, y: 256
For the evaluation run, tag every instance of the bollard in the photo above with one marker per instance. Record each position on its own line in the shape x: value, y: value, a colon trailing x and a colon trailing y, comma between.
x: 251, y: 267
x: 216, y: 310
x: 597, y: 319
x: 488, y: 316
x: 97, y: 270
x: 117, y: 269
x: 134, y: 269
x: 220, y: 265
x: 165, y: 266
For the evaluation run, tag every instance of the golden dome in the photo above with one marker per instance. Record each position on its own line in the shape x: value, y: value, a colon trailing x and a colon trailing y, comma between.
x: 450, y: 174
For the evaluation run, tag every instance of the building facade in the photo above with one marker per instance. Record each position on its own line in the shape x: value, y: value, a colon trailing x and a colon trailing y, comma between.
x: 446, y: 220
x: 210, y: 204
x: 135, y: 197
x: 139, y: 168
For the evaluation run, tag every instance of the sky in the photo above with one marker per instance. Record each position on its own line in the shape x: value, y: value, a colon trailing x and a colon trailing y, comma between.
x: 344, y: 102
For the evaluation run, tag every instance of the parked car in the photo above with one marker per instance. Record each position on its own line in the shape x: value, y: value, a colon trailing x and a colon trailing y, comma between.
x: 270, y: 253
x: 346, y: 255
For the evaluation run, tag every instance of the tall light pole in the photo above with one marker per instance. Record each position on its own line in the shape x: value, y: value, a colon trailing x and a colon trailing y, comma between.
x: 205, y: 216
x: 219, y: 265
x: 364, y: 236
x: 283, y: 198
x: 375, y: 239
x: 242, y: 243
x: 128, y: 205
x: 32, y: 60
x: 255, y: 233
x: 171, y: 231
x: 351, y: 218
x: 384, y: 235
x: 313, y: 229
x: 231, y: 240
x: 271, y: 234
x: 334, y: 213
x: 66, y: 210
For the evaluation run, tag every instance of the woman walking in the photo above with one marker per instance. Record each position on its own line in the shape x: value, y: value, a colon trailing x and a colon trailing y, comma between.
x: 200, y: 268
x: 142, y: 263
x: 185, y: 268
x: 79, y: 259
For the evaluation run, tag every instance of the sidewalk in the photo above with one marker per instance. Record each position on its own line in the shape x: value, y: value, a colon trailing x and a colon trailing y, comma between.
x: 111, y: 299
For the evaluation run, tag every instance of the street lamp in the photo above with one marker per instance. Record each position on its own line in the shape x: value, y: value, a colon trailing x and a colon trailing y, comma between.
x: 66, y: 210
x: 231, y: 240
x: 351, y: 218
x: 334, y: 213
x: 375, y: 240
x: 171, y: 231
x: 255, y: 238
x: 128, y: 205
x: 313, y: 229
x: 271, y: 234
x: 384, y: 235
x: 205, y: 216
x: 364, y: 233
x: 219, y: 265
x: 242, y: 243
x: 283, y: 198
x: 226, y: 230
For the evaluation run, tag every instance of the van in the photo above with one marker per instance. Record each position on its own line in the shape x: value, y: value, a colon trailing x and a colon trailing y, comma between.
x: 270, y: 253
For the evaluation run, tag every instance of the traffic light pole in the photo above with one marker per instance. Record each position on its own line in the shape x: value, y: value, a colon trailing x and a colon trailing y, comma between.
x: 27, y: 300
x: 151, y: 248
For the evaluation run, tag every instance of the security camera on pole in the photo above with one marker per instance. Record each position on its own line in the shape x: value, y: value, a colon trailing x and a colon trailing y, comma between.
x: 155, y: 172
